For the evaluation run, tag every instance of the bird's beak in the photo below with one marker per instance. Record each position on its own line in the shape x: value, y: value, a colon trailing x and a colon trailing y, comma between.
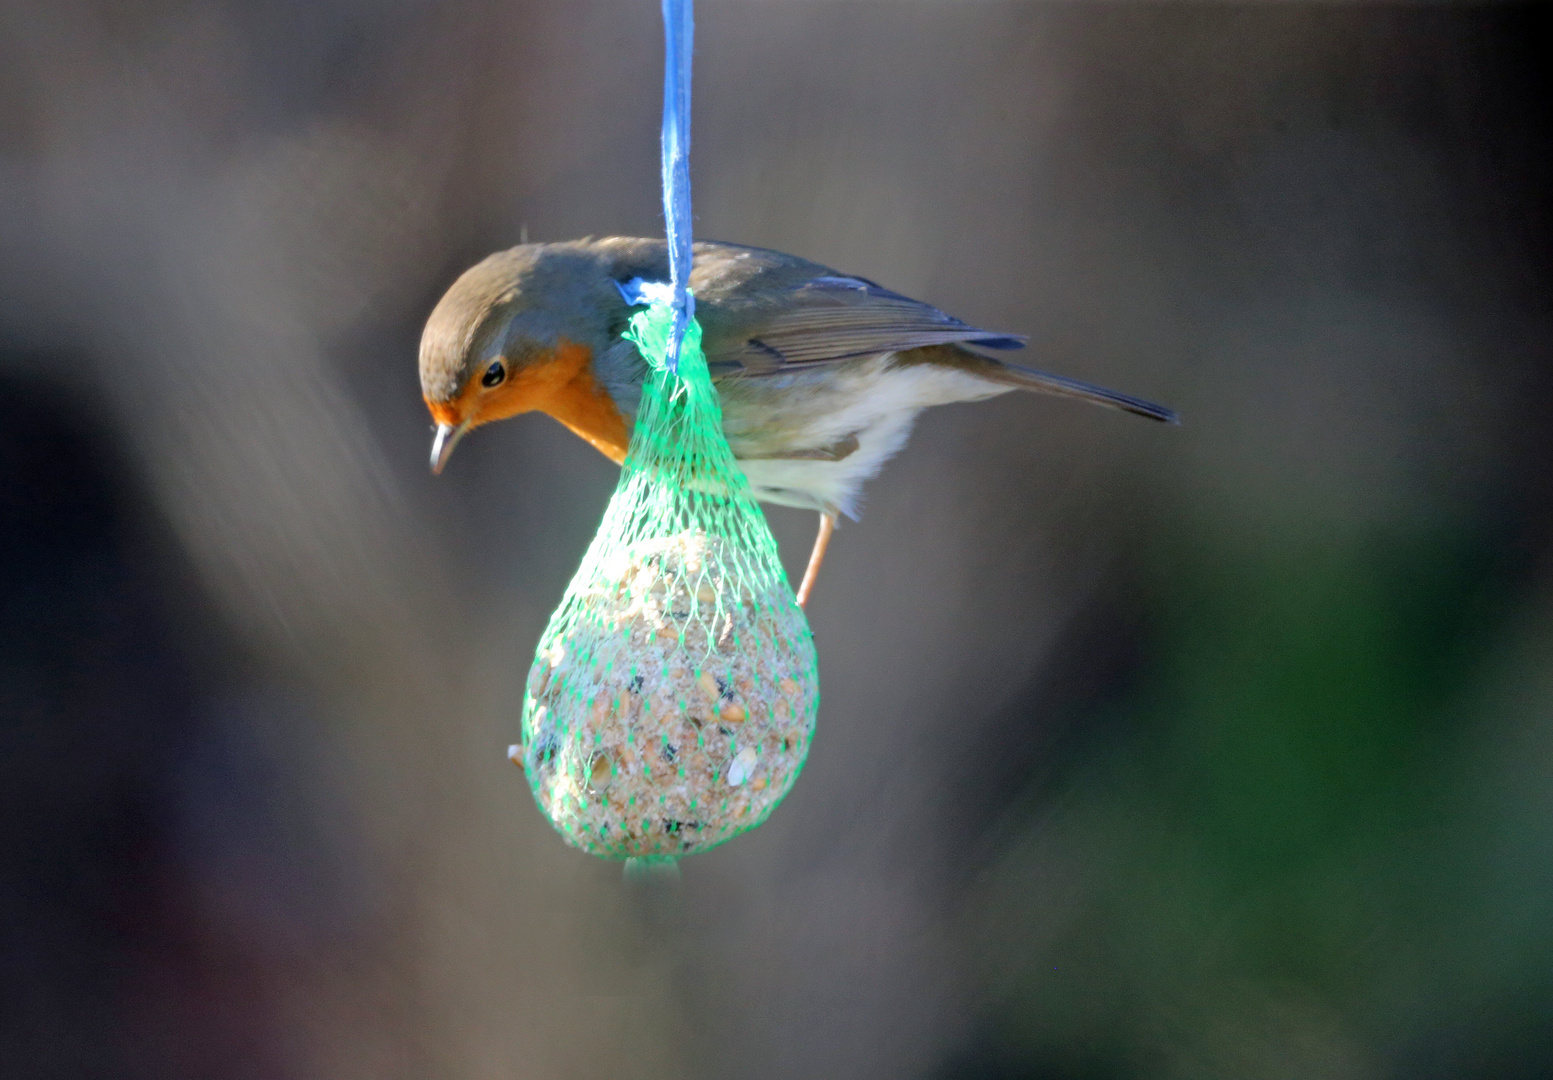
x: 442, y: 444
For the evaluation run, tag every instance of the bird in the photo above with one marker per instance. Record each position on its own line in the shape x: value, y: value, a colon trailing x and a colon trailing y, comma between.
x: 821, y: 374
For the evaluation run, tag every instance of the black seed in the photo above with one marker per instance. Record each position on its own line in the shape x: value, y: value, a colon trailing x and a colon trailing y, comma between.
x: 669, y: 753
x: 636, y: 684
x: 541, y: 754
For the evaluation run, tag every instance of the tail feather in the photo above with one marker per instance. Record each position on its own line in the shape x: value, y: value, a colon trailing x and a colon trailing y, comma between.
x: 1044, y: 383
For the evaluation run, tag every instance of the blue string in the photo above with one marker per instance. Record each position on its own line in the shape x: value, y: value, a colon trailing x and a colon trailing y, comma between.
x: 679, y: 37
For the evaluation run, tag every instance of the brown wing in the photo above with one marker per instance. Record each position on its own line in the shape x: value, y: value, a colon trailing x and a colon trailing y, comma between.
x: 836, y: 318
x: 765, y: 312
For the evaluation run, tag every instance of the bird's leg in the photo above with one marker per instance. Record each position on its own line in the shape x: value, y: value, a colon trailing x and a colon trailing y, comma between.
x: 816, y: 557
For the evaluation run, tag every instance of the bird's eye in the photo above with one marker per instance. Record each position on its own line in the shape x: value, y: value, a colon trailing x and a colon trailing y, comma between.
x: 493, y: 374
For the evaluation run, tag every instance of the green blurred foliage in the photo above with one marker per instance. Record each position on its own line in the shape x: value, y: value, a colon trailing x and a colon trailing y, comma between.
x: 1291, y: 862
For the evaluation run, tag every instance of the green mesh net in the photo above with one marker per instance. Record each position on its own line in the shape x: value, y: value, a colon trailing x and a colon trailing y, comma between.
x: 674, y: 693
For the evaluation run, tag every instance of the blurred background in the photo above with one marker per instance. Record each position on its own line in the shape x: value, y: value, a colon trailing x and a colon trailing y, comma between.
x: 1223, y: 751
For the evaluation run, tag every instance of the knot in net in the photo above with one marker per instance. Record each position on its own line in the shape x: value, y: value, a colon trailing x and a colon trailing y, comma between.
x: 673, y: 698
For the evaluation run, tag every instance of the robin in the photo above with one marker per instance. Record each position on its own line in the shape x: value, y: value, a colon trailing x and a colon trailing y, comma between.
x: 821, y: 374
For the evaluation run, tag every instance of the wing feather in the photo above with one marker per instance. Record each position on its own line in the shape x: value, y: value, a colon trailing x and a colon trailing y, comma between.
x: 832, y: 317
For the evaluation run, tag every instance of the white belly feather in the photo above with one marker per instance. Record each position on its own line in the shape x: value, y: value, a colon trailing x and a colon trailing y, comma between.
x: 878, y: 405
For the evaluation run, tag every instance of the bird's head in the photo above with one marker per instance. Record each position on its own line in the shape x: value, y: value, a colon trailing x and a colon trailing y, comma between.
x: 516, y: 333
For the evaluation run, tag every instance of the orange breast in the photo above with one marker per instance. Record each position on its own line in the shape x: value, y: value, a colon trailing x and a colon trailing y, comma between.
x: 585, y: 406
x: 560, y: 384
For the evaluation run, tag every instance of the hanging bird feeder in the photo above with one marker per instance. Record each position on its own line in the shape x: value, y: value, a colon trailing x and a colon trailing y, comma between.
x: 673, y: 697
